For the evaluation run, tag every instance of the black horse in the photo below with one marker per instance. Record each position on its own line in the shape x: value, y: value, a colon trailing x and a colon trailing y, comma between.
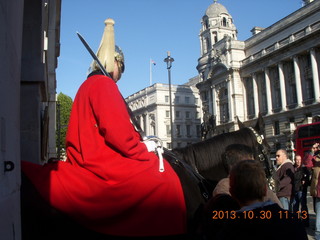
x: 198, y: 165
x: 205, y: 157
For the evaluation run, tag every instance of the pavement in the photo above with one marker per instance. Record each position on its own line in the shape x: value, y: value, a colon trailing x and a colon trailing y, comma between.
x: 312, y: 219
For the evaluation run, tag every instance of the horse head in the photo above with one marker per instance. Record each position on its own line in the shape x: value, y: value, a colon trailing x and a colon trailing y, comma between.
x: 259, y: 131
x: 262, y: 148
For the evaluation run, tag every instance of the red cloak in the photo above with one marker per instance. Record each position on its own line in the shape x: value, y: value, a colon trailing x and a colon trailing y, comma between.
x: 110, y: 183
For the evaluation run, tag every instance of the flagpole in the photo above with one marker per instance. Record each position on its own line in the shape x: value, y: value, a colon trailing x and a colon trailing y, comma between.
x: 150, y: 72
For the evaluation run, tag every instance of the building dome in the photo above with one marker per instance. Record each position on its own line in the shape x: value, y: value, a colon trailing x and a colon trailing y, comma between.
x: 215, y: 10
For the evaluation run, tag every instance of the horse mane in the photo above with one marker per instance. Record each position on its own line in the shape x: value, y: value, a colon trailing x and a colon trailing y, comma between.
x: 197, y: 154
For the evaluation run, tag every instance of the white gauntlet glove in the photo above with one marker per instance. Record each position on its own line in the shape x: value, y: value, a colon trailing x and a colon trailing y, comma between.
x: 151, y: 145
x: 154, y: 144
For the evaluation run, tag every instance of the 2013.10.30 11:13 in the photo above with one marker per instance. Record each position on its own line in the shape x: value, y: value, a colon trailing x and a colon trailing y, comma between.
x: 231, y: 215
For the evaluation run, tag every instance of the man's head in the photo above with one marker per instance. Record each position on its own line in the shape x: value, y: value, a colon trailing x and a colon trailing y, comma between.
x: 297, y: 160
x: 281, y: 156
x: 315, y: 149
x: 235, y: 153
x: 248, y: 182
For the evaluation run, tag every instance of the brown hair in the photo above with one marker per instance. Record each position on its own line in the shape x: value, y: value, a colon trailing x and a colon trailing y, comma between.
x: 247, y: 181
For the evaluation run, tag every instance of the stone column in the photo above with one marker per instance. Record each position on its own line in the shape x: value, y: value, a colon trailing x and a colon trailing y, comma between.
x: 255, y: 95
x: 230, y: 100
x: 315, y: 75
x: 282, y: 88
x: 147, y: 130
x: 214, y: 100
x: 268, y: 91
x: 217, y: 104
x: 298, y: 80
x: 245, y: 99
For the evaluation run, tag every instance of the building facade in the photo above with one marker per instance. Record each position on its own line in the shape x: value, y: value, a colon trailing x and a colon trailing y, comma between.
x: 30, y: 46
x: 151, y: 107
x: 275, y: 72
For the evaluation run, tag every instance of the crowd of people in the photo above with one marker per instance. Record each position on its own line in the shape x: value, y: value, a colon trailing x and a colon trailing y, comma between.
x: 233, y: 195
x: 243, y: 205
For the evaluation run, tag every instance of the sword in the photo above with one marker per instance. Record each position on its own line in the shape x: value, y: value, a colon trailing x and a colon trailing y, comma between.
x: 93, y: 55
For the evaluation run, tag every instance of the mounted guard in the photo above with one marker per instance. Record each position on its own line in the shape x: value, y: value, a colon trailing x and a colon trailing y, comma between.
x: 112, y: 182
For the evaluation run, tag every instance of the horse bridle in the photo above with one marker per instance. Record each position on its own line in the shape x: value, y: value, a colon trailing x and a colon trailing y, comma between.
x: 262, y: 154
x: 263, y: 157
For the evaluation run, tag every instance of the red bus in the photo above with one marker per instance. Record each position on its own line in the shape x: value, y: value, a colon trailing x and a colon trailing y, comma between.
x: 305, y: 136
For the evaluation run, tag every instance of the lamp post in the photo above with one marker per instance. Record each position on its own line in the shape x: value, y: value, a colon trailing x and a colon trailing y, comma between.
x: 169, y: 61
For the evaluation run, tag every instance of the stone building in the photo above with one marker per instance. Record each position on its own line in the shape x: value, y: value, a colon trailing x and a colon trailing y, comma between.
x: 29, y: 48
x: 275, y: 72
x: 151, y: 107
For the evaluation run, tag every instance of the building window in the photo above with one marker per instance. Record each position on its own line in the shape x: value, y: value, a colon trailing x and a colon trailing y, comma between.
x: 206, y: 23
x: 168, y: 130
x: 187, y: 100
x: 306, y: 70
x: 224, y: 22
x: 309, y: 89
x: 167, y: 114
x: 208, y: 44
x: 166, y: 99
x: 223, y: 105
x: 178, y: 130
x: 168, y: 145
x: 187, y: 115
x: 198, y: 130
x: 276, y: 127
x: 188, y: 128
x: 204, y: 96
x: 177, y: 99
x: 177, y: 114
x: 261, y: 80
x: 274, y: 78
x: 250, y: 97
x: 290, y: 77
x: 215, y: 37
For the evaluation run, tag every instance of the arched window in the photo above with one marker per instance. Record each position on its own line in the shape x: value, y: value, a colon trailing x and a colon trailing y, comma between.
x: 215, y: 37
x: 224, y: 22
x: 223, y: 105
x: 208, y: 44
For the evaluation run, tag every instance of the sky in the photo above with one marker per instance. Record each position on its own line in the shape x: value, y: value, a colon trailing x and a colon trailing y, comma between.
x: 146, y: 30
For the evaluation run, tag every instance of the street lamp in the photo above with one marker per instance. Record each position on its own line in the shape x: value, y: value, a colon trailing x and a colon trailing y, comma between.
x: 169, y: 61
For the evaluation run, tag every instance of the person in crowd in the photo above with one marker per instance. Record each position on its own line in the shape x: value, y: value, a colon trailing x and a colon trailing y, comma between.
x: 301, y: 183
x: 312, y: 162
x: 233, y: 154
x: 111, y: 182
x: 285, y: 174
x: 256, y: 219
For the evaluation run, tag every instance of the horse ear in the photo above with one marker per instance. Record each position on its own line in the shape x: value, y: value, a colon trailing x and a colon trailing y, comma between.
x: 240, y: 124
x: 260, y: 123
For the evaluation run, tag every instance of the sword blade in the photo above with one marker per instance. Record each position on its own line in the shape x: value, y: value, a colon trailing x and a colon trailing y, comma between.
x: 93, y: 55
